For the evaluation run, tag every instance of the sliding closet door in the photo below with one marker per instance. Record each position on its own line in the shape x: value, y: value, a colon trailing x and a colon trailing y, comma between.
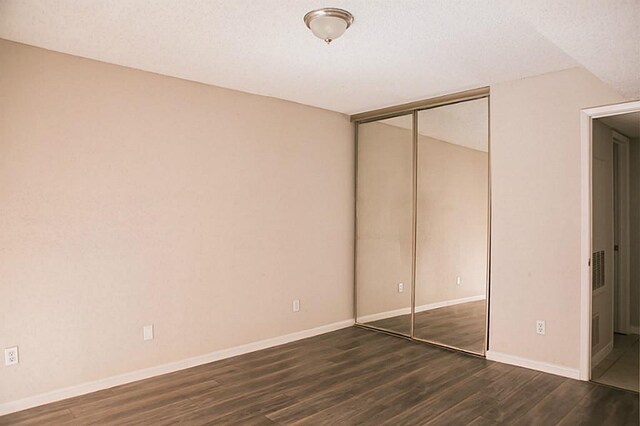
x: 384, y: 224
x: 452, y: 225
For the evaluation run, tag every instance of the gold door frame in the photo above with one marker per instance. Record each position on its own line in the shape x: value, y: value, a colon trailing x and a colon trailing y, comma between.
x: 413, y: 108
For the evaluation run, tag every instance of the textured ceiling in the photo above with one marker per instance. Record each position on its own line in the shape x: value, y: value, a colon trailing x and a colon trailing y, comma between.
x: 396, y: 51
x: 601, y: 35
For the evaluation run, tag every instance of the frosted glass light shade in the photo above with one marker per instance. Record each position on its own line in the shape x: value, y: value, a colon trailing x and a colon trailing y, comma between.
x: 328, y: 24
x: 328, y: 28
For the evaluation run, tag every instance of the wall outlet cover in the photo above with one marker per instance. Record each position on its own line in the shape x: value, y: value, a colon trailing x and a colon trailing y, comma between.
x: 147, y: 332
x: 11, y: 356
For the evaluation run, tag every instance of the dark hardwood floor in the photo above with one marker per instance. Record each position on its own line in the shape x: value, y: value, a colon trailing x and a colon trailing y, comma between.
x: 461, y: 326
x: 351, y: 376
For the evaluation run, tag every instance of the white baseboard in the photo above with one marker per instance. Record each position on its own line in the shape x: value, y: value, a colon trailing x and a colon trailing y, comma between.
x: 559, y: 370
x: 444, y: 303
x: 69, y: 392
x: 602, y: 354
x: 421, y: 308
x: 384, y: 315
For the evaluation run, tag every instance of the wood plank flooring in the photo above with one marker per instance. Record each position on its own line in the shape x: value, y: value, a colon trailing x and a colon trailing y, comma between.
x: 461, y: 326
x: 351, y: 376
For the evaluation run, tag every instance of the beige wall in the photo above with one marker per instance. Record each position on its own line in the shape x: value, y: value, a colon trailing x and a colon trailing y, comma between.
x: 536, y: 181
x: 602, y: 228
x: 452, y: 221
x: 128, y: 198
x: 634, y: 209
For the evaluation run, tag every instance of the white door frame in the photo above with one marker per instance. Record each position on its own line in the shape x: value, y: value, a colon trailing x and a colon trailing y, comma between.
x: 586, y: 117
x: 621, y: 310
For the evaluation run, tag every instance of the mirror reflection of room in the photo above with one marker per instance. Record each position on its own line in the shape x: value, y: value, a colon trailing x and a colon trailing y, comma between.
x: 452, y: 225
x: 384, y: 224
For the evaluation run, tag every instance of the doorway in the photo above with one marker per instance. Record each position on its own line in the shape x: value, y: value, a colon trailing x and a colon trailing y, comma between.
x: 614, y: 251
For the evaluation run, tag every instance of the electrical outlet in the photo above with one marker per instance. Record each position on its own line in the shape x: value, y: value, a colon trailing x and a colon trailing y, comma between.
x: 296, y: 305
x: 11, y: 356
x: 147, y: 332
x: 400, y: 287
x: 541, y: 327
x: 458, y: 280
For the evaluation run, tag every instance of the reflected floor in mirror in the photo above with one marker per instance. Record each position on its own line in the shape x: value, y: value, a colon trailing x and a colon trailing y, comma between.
x: 461, y: 326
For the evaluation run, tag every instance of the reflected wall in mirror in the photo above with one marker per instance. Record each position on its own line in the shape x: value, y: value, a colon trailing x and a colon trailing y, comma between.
x: 452, y: 225
x: 384, y: 228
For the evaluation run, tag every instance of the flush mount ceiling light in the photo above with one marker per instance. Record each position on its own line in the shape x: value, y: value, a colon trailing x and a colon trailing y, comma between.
x: 328, y: 24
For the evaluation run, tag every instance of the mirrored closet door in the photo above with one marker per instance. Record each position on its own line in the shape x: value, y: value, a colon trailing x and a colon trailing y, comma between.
x: 452, y: 225
x: 384, y: 230
x: 423, y: 222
